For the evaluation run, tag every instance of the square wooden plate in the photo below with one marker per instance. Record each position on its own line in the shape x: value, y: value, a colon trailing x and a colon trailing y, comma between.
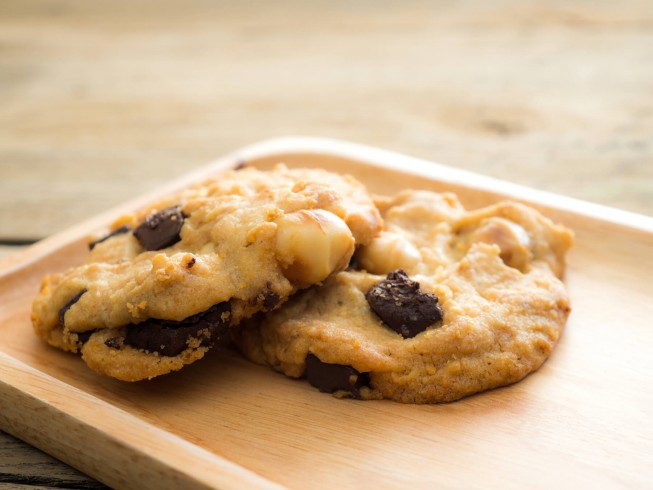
x: 583, y: 419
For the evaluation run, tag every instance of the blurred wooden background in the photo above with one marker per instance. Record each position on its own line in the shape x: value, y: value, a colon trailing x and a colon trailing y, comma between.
x: 102, y: 101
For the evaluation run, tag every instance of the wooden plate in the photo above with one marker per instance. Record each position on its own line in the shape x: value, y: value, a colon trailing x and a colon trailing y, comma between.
x: 583, y: 419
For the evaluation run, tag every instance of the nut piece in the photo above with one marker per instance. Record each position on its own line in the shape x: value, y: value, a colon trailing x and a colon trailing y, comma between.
x: 512, y: 239
x: 388, y: 252
x: 311, y: 245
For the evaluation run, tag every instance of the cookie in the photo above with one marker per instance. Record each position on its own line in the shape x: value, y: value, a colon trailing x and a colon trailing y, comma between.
x: 164, y: 284
x: 444, y: 303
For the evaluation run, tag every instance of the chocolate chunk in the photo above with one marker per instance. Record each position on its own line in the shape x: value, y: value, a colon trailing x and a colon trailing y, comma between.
x: 330, y: 378
x: 117, y: 231
x: 400, y: 304
x: 64, y: 309
x: 170, y: 338
x: 270, y: 300
x: 267, y: 299
x: 161, y: 229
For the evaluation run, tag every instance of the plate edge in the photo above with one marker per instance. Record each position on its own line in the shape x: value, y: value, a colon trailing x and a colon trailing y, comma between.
x: 71, y: 410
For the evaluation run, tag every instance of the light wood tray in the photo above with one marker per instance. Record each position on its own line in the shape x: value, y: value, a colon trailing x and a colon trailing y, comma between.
x: 583, y: 419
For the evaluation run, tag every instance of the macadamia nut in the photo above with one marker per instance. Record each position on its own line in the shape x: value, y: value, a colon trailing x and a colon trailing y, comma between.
x: 388, y: 252
x: 313, y: 244
x: 512, y: 239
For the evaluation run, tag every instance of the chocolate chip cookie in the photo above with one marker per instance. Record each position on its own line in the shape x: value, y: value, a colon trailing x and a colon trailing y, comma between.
x: 164, y: 284
x: 442, y: 304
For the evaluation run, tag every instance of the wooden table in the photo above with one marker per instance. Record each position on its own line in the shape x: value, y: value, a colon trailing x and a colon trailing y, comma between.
x: 101, y: 102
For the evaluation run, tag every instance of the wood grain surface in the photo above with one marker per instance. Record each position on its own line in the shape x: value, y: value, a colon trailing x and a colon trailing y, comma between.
x: 100, y: 102
x: 581, y: 420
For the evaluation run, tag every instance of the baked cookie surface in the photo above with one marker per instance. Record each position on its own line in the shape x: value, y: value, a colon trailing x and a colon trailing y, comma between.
x: 442, y: 304
x: 167, y: 282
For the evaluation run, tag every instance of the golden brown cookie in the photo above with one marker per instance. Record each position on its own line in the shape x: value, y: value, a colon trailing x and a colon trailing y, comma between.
x: 167, y: 282
x: 444, y: 303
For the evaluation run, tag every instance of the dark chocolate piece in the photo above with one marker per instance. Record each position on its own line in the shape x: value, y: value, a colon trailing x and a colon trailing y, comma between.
x: 64, y: 309
x: 400, y: 304
x: 160, y: 230
x: 267, y: 298
x: 117, y: 231
x: 170, y: 338
x: 270, y: 300
x: 330, y: 378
